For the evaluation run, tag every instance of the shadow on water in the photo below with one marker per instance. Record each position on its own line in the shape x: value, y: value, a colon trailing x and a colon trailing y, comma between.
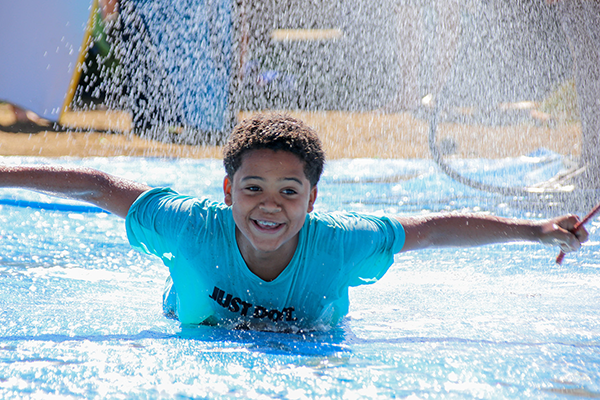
x: 468, y: 342
x: 58, y: 338
x: 305, y: 344
x: 572, y: 391
x: 313, y: 343
x: 337, y: 340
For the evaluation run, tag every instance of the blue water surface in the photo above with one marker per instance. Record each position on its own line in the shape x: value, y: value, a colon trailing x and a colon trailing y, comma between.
x: 81, y: 314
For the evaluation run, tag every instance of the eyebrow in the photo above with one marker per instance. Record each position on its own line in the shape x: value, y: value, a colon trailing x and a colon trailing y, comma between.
x: 246, y: 178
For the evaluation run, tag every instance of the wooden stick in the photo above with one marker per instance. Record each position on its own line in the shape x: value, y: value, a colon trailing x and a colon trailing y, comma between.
x: 585, y: 219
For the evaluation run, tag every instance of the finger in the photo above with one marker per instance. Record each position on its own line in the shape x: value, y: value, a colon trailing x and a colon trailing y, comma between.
x: 567, y: 241
x: 568, y: 222
x: 570, y: 246
x: 582, y: 234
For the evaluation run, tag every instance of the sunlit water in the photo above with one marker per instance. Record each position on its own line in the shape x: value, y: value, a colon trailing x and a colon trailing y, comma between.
x: 81, y: 312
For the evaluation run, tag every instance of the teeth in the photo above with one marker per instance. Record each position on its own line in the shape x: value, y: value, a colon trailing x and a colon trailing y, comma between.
x: 267, y: 223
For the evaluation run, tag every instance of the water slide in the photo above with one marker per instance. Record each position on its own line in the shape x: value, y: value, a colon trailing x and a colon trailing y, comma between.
x: 188, y: 42
x: 41, y: 44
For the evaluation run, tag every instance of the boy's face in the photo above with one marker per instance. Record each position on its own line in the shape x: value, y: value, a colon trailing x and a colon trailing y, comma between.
x: 270, y: 197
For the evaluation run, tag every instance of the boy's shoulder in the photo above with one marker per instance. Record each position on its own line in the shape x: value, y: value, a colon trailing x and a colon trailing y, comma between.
x: 166, y: 201
x: 167, y: 194
x: 351, y: 233
x: 353, y: 221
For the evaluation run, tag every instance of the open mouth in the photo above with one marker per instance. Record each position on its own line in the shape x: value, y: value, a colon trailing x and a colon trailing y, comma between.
x: 266, y: 225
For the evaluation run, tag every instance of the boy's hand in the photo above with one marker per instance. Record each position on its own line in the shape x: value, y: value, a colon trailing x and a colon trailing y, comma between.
x: 561, y: 232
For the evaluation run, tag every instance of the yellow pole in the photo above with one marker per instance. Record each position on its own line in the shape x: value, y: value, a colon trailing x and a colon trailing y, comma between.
x: 80, y: 60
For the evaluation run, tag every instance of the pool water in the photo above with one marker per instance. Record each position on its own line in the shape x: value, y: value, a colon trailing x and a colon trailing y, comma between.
x: 81, y: 313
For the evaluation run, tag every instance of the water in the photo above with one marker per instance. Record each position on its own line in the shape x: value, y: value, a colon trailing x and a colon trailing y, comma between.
x: 81, y: 312
x: 193, y: 64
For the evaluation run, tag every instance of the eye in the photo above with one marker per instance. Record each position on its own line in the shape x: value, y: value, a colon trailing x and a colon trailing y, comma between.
x: 289, y: 191
x: 253, y: 188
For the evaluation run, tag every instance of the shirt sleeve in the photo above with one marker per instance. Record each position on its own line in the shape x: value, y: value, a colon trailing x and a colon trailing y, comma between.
x: 365, y: 245
x: 157, y: 219
x: 381, y: 238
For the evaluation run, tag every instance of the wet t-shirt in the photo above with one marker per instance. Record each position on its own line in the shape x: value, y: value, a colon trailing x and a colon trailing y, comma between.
x: 211, y: 282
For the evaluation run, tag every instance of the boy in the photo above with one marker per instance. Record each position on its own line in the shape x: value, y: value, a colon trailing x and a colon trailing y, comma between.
x: 262, y: 259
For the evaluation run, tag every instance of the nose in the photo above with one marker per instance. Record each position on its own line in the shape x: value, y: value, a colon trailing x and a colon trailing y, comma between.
x: 269, y: 205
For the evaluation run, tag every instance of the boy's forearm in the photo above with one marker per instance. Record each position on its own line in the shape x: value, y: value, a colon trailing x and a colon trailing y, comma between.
x: 464, y: 230
x: 106, y: 191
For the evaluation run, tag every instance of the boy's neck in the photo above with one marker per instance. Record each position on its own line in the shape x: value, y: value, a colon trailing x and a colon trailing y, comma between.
x: 268, y: 265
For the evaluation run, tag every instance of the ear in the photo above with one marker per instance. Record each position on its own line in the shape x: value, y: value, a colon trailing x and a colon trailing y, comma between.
x: 227, y: 190
x: 312, y: 198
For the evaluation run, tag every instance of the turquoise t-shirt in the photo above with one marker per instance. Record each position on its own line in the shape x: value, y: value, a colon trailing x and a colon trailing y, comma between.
x: 195, y: 238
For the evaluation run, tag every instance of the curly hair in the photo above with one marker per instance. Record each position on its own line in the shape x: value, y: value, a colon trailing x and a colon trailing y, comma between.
x: 275, y: 132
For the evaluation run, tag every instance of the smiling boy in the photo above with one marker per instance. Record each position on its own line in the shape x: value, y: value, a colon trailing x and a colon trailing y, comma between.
x: 263, y: 259
x: 271, y: 196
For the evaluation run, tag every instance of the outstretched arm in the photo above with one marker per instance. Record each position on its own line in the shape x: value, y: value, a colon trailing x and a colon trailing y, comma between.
x: 464, y: 230
x: 108, y: 192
